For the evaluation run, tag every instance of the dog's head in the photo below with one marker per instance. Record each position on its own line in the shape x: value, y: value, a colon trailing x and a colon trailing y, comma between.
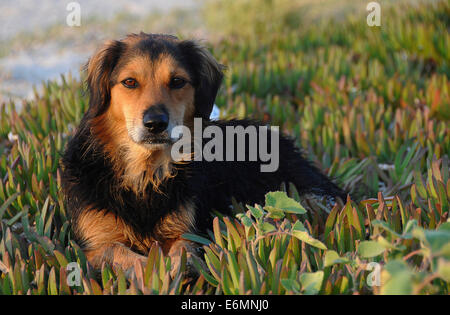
x: 146, y: 84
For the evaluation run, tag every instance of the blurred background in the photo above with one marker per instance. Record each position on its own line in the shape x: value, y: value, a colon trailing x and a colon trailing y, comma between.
x: 36, y: 43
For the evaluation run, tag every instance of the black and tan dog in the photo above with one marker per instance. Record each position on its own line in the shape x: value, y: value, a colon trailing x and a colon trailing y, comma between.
x: 123, y: 190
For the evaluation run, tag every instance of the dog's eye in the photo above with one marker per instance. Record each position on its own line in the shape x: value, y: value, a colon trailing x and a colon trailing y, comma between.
x: 130, y: 83
x: 177, y: 83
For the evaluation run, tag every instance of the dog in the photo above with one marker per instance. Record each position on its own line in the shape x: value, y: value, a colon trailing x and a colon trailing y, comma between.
x: 123, y: 190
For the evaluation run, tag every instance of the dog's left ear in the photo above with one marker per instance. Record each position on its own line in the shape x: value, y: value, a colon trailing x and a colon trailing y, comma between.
x: 208, y: 75
x: 99, y: 70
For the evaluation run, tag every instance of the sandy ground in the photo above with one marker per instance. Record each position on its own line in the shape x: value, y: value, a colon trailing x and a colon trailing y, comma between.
x: 22, y: 67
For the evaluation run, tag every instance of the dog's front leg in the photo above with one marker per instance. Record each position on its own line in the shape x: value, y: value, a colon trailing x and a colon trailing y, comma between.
x: 170, y: 231
x: 105, y: 238
x: 116, y: 255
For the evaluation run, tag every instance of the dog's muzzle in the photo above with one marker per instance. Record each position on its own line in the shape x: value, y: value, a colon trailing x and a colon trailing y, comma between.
x: 155, y: 123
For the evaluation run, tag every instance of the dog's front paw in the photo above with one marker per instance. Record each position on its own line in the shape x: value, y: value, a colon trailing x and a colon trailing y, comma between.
x: 188, y: 270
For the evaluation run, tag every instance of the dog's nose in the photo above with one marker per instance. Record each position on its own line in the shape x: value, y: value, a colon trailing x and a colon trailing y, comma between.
x: 155, y: 120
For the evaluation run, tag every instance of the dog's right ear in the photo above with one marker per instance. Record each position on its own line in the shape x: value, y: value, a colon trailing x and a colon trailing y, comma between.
x: 99, y: 69
x: 208, y: 75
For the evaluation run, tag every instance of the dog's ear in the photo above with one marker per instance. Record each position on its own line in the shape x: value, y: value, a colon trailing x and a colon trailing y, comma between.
x: 208, y: 75
x: 99, y: 69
